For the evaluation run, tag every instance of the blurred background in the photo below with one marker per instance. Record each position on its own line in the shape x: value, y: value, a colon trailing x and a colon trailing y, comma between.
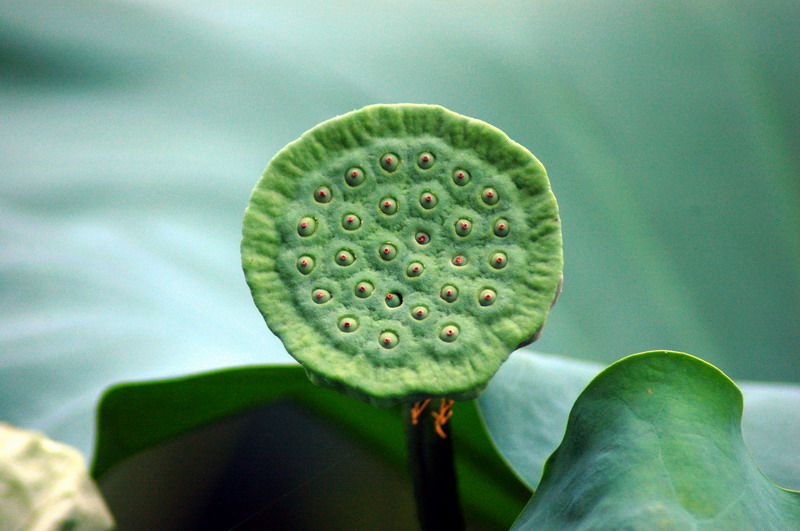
x: 131, y: 134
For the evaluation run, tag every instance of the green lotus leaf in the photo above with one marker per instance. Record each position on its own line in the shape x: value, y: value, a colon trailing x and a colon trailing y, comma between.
x: 655, y: 442
x: 371, y: 243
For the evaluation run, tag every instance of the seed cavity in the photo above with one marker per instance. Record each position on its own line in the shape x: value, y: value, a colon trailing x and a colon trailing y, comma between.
x: 354, y: 176
x: 459, y: 260
x: 487, y: 297
x: 390, y: 162
x: 388, y: 251
x: 364, y: 289
x: 449, y: 293
x: 320, y: 296
x: 348, y: 324
x: 306, y: 226
x: 388, y: 206
x: 344, y: 257
x: 322, y: 194
x: 388, y: 339
x: 501, y: 227
x: 498, y: 260
x: 415, y: 269
x: 463, y: 227
x: 305, y: 264
x: 428, y: 200
x: 422, y: 238
x: 489, y: 196
x: 393, y: 299
x: 461, y: 177
x: 425, y: 160
x: 351, y: 222
x: 449, y: 333
x: 419, y: 312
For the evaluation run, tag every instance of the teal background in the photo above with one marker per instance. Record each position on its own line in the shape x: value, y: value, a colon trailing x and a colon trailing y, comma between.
x: 131, y: 134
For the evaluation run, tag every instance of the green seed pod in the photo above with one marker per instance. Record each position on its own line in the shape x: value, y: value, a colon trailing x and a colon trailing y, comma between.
x: 322, y: 194
x: 345, y: 257
x: 364, y: 289
x: 391, y: 354
x: 393, y: 300
x: 449, y: 293
x: 306, y: 226
x: 498, y: 260
x: 415, y: 269
x: 487, y: 297
x: 463, y: 227
x: 351, y: 222
x: 449, y: 333
x: 390, y: 162
x: 354, y: 176
x: 425, y: 160
x: 502, y: 227
x: 428, y: 200
x: 305, y: 264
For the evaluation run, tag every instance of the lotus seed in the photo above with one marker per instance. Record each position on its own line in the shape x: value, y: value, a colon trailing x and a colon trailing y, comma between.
x: 498, y: 260
x: 489, y: 196
x: 351, y: 222
x: 449, y: 293
x: 388, y: 339
x: 307, y: 226
x: 427, y: 200
x: 425, y: 160
x: 388, y: 251
x: 459, y: 260
x: 422, y: 238
x: 390, y: 162
x: 305, y: 264
x: 501, y: 227
x: 419, y: 312
x: 388, y: 206
x: 345, y: 257
x: 364, y: 289
x: 487, y: 297
x: 449, y: 333
x: 415, y: 269
x: 393, y: 300
x: 348, y: 324
x: 463, y: 227
x: 461, y: 177
x: 320, y: 296
x: 322, y: 194
x: 354, y: 176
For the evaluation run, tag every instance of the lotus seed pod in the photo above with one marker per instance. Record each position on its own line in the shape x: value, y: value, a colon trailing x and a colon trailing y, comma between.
x: 305, y: 264
x: 419, y: 312
x: 415, y: 269
x: 306, y: 226
x: 388, y: 340
x: 393, y: 300
x: 351, y: 222
x: 390, y: 162
x: 391, y: 354
x: 463, y: 227
x: 354, y: 176
x: 364, y: 290
x: 502, y: 227
x: 449, y: 293
x: 388, y: 252
x: 322, y: 194
x: 428, y: 200
x: 425, y: 160
x: 461, y: 177
x: 498, y: 260
x: 449, y: 333
x: 345, y: 257
x: 487, y: 297
x: 490, y: 196
x: 388, y: 206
